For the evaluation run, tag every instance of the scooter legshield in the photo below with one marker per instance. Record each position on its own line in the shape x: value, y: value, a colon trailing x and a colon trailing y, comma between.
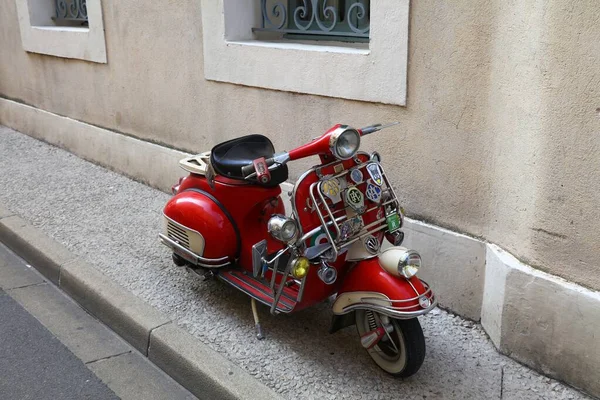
x: 369, y: 286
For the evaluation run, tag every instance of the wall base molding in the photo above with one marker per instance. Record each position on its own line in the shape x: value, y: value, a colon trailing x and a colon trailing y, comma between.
x: 539, y: 319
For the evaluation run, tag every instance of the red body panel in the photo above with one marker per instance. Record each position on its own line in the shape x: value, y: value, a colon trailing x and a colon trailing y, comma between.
x: 317, y: 146
x: 198, y: 212
x: 251, y: 206
x: 369, y: 276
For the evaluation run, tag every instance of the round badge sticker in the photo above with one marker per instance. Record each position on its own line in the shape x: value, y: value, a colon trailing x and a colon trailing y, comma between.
x: 356, y: 175
x: 332, y: 189
x: 373, y: 192
x: 375, y: 173
x: 355, y: 199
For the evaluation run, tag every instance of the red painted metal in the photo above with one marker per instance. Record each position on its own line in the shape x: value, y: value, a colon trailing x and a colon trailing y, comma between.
x: 317, y: 146
x: 252, y: 205
x: 369, y: 276
x: 199, y: 213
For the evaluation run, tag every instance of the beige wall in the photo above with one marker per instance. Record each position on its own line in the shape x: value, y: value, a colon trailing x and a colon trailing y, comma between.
x: 500, y: 137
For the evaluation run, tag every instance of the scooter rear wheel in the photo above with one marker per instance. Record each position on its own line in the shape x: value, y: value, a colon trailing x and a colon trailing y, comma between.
x: 400, y: 352
x: 178, y: 260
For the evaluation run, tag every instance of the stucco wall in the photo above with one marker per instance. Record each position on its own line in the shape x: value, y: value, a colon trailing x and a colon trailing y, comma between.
x: 499, y: 139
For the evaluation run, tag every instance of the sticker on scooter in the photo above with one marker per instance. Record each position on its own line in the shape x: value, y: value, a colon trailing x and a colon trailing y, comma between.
x: 332, y: 189
x: 355, y: 199
x: 371, y: 244
x: 375, y: 173
x: 321, y: 237
x: 356, y: 176
x: 393, y: 222
x: 373, y: 192
x: 350, y: 227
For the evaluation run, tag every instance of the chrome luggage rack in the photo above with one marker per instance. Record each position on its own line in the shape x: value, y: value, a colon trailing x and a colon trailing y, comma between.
x: 335, y: 217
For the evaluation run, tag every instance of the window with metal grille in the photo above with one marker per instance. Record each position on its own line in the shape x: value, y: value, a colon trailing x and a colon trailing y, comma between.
x: 71, y: 13
x: 333, y: 20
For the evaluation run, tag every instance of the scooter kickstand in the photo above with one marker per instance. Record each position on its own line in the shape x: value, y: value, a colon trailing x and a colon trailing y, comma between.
x: 259, y: 332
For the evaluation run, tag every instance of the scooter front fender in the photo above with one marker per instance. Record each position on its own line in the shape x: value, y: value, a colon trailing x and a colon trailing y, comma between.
x: 368, y: 286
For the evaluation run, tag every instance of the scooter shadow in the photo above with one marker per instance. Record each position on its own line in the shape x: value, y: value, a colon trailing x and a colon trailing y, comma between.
x: 299, y: 350
x: 303, y: 335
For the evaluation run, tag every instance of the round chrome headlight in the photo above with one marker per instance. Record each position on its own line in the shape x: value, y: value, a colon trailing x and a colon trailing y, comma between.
x: 345, y: 143
x: 282, y: 228
x: 400, y: 261
x: 409, y: 264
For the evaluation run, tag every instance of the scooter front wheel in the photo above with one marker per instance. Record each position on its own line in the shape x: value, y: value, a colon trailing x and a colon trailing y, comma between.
x: 397, y: 346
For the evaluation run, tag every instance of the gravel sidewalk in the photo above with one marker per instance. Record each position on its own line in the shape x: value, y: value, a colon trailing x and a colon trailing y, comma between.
x: 113, y: 223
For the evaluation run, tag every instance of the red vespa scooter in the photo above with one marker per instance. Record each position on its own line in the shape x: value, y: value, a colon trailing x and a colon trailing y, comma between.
x: 227, y: 219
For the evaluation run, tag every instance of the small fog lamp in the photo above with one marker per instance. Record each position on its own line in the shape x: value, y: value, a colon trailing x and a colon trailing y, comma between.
x: 300, y: 267
x: 282, y: 228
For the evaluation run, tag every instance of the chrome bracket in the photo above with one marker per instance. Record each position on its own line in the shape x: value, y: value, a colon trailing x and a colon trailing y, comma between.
x: 259, y: 252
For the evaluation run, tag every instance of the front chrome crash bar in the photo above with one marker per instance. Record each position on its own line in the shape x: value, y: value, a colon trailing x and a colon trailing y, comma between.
x: 390, y: 312
x: 399, y: 312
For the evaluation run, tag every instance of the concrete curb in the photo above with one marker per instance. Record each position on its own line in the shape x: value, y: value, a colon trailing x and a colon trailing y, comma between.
x: 195, y: 366
x: 469, y: 275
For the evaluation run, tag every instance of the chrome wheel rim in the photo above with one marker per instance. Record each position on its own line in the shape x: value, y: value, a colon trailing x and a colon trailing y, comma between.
x: 390, y: 352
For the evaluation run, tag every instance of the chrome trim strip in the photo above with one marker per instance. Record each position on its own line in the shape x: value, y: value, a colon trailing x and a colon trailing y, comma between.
x: 390, y: 312
x: 301, y: 290
x: 295, y: 210
x: 204, y: 262
x: 281, y: 286
x: 241, y: 289
x: 395, y: 311
x: 322, y: 219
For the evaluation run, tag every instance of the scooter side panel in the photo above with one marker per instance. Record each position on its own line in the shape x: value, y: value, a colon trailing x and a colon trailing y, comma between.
x: 250, y: 206
x: 200, y: 214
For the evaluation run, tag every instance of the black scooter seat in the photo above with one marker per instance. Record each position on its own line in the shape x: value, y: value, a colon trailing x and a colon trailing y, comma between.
x: 229, y: 157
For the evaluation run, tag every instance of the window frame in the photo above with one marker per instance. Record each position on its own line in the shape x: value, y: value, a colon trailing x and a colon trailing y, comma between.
x: 37, y: 36
x: 376, y: 72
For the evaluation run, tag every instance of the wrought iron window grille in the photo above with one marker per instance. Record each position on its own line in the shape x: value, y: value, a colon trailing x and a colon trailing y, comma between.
x: 71, y: 13
x: 338, y: 20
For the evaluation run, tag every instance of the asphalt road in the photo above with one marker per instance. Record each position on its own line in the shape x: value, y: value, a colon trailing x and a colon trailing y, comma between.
x: 112, y: 222
x: 34, y: 364
x: 50, y: 348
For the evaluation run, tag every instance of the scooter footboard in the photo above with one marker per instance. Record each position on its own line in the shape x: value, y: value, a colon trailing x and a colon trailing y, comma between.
x: 368, y: 286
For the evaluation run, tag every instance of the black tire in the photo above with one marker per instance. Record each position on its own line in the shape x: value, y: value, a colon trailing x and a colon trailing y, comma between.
x: 178, y: 260
x: 406, y: 354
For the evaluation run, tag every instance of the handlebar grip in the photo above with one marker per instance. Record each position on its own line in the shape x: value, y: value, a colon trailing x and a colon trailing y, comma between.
x: 249, y: 169
x: 370, y: 129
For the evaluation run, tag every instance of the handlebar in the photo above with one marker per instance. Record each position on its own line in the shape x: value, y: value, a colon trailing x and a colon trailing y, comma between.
x: 376, y: 127
x: 249, y: 169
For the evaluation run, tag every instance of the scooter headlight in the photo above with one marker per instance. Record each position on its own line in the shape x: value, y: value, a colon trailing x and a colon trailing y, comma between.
x: 282, y: 228
x: 400, y: 261
x: 345, y: 144
x: 409, y: 264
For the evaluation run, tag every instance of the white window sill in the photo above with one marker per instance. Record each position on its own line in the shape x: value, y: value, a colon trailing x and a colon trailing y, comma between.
x: 61, y: 28
x: 374, y: 72
x: 304, y: 46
